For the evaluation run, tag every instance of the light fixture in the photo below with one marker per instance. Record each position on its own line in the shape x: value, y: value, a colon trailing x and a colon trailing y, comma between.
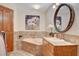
x: 54, y: 6
x: 36, y: 6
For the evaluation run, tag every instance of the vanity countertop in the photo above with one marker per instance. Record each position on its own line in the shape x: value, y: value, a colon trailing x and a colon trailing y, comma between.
x: 57, y: 42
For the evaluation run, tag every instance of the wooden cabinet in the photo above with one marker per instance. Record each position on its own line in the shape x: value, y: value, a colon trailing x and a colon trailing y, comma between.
x: 8, y: 22
x: 47, y: 49
x: 52, y: 50
x: 6, y: 25
x: 0, y: 19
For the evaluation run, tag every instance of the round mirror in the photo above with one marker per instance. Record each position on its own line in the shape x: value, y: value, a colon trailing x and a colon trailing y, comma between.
x: 64, y: 17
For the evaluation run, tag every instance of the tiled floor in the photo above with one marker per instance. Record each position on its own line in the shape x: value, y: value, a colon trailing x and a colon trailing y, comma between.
x: 19, y: 53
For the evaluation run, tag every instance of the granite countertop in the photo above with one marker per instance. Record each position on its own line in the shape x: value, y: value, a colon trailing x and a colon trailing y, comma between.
x: 57, y: 42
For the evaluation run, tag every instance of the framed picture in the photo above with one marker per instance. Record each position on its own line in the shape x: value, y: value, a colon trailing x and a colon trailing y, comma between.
x: 59, y: 22
x: 32, y: 22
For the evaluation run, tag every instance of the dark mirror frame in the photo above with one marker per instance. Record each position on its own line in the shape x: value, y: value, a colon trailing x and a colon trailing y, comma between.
x: 71, y: 19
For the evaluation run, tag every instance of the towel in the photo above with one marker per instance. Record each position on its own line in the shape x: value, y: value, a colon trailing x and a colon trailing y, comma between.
x: 2, y: 46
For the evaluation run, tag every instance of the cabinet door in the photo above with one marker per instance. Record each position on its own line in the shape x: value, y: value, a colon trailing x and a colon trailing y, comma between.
x: 8, y: 20
x: 47, y: 48
x: 9, y: 41
x: 8, y: 28
x: 44, y: 49
x: 0, y: 19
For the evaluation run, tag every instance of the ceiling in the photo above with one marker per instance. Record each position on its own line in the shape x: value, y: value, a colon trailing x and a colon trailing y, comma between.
x: 43, y: 6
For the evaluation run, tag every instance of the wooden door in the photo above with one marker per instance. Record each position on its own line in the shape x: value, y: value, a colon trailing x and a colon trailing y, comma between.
x: 8, y: 20
x: 8, y: 28
x: 1, y: 18
x: 9, y: 41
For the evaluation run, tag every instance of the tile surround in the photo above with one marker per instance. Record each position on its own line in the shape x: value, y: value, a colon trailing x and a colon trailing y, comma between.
x: 33, y: 34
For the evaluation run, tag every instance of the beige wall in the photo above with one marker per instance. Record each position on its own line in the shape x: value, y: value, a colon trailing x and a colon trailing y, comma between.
x: 21, y: 18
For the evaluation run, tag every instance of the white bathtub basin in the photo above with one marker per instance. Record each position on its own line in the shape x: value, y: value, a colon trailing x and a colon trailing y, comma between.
x: 37, y: 41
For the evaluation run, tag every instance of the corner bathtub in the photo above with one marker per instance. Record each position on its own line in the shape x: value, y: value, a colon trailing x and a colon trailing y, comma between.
x: 32, y: 45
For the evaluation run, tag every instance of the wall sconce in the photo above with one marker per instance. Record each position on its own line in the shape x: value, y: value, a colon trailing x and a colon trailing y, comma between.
x: 55, y: 5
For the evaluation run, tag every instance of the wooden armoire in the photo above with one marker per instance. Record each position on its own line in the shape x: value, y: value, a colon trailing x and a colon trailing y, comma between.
x: 6, y: 25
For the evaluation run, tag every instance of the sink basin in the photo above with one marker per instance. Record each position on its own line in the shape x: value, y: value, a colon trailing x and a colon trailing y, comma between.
x: 58, y: 41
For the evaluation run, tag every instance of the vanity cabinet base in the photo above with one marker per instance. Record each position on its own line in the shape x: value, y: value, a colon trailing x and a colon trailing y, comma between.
x: 52, y: 50
x: 65, y: 51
